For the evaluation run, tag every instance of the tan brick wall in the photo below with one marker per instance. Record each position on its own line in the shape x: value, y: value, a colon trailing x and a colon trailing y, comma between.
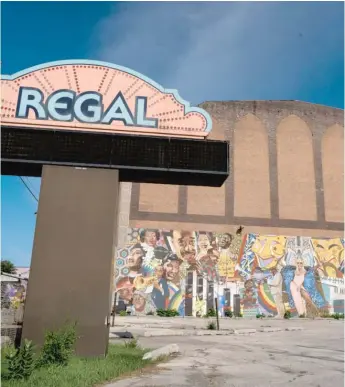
x: 251, y: 168
x: 206, y: 201
x: 233, y: 227
x: 333, y: 173
x: 296, y: 178
x: 286, y: 174
x: 158, y: 198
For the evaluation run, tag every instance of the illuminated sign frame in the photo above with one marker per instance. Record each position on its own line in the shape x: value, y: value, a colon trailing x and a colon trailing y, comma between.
x: 100, y: 97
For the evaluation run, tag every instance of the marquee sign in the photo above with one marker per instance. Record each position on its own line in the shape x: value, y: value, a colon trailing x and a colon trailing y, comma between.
x: 98, y: 97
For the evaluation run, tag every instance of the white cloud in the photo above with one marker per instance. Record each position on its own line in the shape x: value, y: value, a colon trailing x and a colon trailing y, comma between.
x: 235, y: 50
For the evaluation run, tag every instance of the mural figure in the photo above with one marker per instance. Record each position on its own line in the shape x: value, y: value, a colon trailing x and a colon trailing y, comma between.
x: 227, y: 259
x: 200, y: 306
x: 204, y: 244
x: 160, y: 291
x: 135, y: 260
x: 207, y: 265
x: 268, y: 250
x: 329, y: 257
x: 184, y: 244
x: 149, y: 240
x: 125, y: 289
x: 249, y: 297
x: 303, y: 288
x: 171, y: 278
x: 14, y: 295
x: 142, y: 303
x: 275, y: 283
x: 296, y: 287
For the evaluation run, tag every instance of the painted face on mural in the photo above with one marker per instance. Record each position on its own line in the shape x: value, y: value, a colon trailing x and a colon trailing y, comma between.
x: 171, y: 267
x: 125, y: 289
x: 126, y: 294
x: 187, y: 243
x: 268, y: 247
x: 331, y: 250
x: 135, y: 258
x: 139, y: 302
x: 150, y: 237
x: 299, y: 263
x: 225, y: 241
x: 203, y: 242
x: 213, y: 255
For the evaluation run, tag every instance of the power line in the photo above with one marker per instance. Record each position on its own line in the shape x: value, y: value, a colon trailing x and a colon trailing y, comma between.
x: 31, y: 185
x: 28, y: 188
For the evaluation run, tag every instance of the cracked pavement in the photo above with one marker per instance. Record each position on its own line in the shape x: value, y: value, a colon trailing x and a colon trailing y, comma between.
x: 312, y: 357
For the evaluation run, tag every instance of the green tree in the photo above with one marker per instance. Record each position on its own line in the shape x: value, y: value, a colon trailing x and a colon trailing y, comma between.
x: 8, y: 267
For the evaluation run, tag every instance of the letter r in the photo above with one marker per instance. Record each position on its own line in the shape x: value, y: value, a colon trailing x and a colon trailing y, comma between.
x: 30, y: 98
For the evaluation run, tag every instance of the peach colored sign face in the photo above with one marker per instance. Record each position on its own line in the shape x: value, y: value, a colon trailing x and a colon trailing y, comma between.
x: 98, y: 97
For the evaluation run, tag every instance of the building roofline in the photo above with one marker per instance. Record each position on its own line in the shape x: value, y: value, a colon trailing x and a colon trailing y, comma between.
x: 271, y: 101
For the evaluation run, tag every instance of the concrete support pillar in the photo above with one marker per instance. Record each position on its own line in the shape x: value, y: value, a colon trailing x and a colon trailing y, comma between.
x: 72, y: 258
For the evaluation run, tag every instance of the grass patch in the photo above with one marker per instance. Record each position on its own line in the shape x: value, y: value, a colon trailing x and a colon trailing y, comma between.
x: 287, y: 315
x: 82, y: 372
x: 167, y: 312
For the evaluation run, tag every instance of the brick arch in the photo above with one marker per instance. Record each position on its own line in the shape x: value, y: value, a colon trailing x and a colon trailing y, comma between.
x: 251, y: 168
x: 296, y: 174
x: 333, y: 172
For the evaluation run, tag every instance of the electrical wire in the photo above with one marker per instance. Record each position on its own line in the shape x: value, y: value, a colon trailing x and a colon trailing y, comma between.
x: 32, y: 187
x: 28, y: 188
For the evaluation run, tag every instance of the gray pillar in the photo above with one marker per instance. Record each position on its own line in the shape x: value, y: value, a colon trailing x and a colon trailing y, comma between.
x: 72, y: 259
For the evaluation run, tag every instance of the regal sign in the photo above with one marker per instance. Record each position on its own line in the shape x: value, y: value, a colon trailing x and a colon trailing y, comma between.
x: 97, y: 96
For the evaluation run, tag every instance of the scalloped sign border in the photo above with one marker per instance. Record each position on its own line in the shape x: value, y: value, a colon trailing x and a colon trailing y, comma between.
x: 95, y: 96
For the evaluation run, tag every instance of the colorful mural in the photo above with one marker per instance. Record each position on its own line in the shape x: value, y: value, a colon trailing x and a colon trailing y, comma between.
x: 299, y: 274
x: 12, y: 294
x: 184, y: 270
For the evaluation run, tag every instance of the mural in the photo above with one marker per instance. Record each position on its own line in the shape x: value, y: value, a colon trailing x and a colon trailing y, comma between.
x: 12, y: 294
x: 151, y: 270
x: 186, y: 270
x: 300, y: 274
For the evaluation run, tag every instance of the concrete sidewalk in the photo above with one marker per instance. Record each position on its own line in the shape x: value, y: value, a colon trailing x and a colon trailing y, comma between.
x: 152, y: 326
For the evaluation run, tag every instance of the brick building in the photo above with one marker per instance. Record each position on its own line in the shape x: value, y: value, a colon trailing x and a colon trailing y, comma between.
x: 286, y: 175
x: 286, y: 189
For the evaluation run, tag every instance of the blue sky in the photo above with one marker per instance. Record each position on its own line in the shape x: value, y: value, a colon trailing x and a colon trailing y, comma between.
x: 208, y: 51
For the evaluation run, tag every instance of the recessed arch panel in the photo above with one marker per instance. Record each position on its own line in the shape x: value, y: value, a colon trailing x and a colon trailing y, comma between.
x: 251, y: 169
x: 333, y: 173
x: 296, y: 174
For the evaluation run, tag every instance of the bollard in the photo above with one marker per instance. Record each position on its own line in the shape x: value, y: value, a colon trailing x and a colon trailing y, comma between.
x: 216, y: 302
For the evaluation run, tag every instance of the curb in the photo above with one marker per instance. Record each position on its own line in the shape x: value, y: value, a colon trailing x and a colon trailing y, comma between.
x: 270, y: 329
x: 294, y: 329
x: 167, y: 350
x: 163, y: 333
x: 199, y: 332
x: 244, y: 331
